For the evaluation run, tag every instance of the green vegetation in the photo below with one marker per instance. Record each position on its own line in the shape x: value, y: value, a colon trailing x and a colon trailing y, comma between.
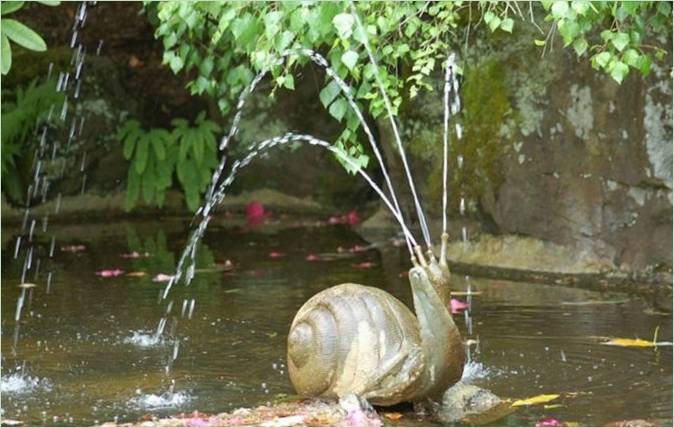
x: 155, y: 154
x: 23, y: 112
x: 11, y: 29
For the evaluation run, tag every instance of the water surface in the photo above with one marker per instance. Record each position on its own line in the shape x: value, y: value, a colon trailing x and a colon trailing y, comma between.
x: 85, y: 351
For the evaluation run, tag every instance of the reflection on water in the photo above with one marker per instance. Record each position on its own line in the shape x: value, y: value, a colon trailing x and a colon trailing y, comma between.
x: 91, y: 353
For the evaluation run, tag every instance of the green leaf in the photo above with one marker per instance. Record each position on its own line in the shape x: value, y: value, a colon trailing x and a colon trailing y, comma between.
x: 338, y: 108
x: 140, y: 159
x: 148, y: 184
x: 132, y: 188
x: 7, y: 7
x: 344, y: 25
x: 569, y: 29
x: 22, y: 35
x: 619, y: 70
x: 580, y: 6
x: 289, y: 82
x: 49, y: 2
x: 350, y: 58
x: 507, y: 25
x: 329, y: 93
x: 560, y: 9
x: 284, y: 40
x: 159, y: 149
x: 620, y: 41
x: 176, y: 63
x: 602, y: 58
x: 631, y: 57
x: 129, y: 145
x: 492, y: 20
x: 644, y: 65
x: 538, y: 42
x: 6, y: 60
x: 580, y: 46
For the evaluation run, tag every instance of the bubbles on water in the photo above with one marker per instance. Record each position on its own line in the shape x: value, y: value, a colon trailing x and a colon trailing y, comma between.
x: 162, y: 401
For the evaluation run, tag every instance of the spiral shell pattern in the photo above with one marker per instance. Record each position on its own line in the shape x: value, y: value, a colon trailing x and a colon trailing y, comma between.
x: 355, y: 339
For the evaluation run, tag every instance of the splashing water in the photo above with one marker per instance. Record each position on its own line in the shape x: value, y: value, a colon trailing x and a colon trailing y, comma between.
x: 166, y: 400
x: 144, y: 339
x: 474, y: 370
x: 20, y: 383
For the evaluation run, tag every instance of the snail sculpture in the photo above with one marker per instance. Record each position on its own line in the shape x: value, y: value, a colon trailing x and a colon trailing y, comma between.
x: 355, y: 339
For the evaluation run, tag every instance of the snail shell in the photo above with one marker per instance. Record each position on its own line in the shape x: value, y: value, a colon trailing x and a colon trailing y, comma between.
x: 356, y: 339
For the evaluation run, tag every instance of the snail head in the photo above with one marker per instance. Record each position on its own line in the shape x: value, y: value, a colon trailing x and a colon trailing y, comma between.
x: 436, y: 271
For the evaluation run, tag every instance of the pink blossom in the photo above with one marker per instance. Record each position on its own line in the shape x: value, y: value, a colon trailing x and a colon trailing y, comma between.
x: 276, y: 254
x: 457, y: 305
x: 549, y: 422
x: 110, y: 273
x: 311, y: 257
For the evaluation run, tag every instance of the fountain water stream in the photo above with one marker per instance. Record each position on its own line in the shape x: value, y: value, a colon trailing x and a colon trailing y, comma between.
x: 45, y: 154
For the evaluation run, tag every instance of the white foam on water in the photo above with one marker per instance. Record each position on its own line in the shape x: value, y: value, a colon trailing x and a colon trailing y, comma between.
x: 18, y: 383
x: 144, y: 339
x: 163, y: 401
x: 474, y: 370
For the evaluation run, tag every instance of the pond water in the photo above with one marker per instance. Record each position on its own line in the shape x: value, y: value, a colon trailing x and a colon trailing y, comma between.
x: 85, y: 351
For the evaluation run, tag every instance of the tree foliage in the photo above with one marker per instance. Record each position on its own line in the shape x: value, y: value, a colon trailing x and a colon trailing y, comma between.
x: 223, y: 45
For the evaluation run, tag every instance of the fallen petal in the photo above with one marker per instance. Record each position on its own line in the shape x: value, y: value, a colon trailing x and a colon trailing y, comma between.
x: 311, y: 257
x: 109, y: 273
x: 73, y: 248
x: 162, y: 277
x: 457, y: 305
x: 549, y: 422
x: 364, y: 265
x: 276, y: 254
x: 134, y: 255
x: 538, y: 399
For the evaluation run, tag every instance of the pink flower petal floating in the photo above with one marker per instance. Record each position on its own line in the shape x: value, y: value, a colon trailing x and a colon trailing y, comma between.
x: 73, y: 248
x: 276, y: 254
x: 134, y: 255
x: 311, y: 257
x: 549, y: 422
x: 162, y: 277
x: 352, y: 218
x: 364, y: 265
x: 109, y: 273
x: 256, y: 214
x: 457, y: 305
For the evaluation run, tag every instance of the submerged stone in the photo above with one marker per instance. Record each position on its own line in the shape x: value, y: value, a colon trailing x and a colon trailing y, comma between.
x: 470, y: 404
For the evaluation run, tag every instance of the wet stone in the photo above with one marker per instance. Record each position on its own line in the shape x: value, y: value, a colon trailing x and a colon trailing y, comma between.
x: 472, y: 405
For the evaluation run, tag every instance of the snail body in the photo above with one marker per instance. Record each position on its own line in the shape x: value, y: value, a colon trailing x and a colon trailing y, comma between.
x: 356, y: 339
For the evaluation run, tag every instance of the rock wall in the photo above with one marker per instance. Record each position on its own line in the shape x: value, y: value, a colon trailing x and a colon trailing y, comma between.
x: 581, y: 161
